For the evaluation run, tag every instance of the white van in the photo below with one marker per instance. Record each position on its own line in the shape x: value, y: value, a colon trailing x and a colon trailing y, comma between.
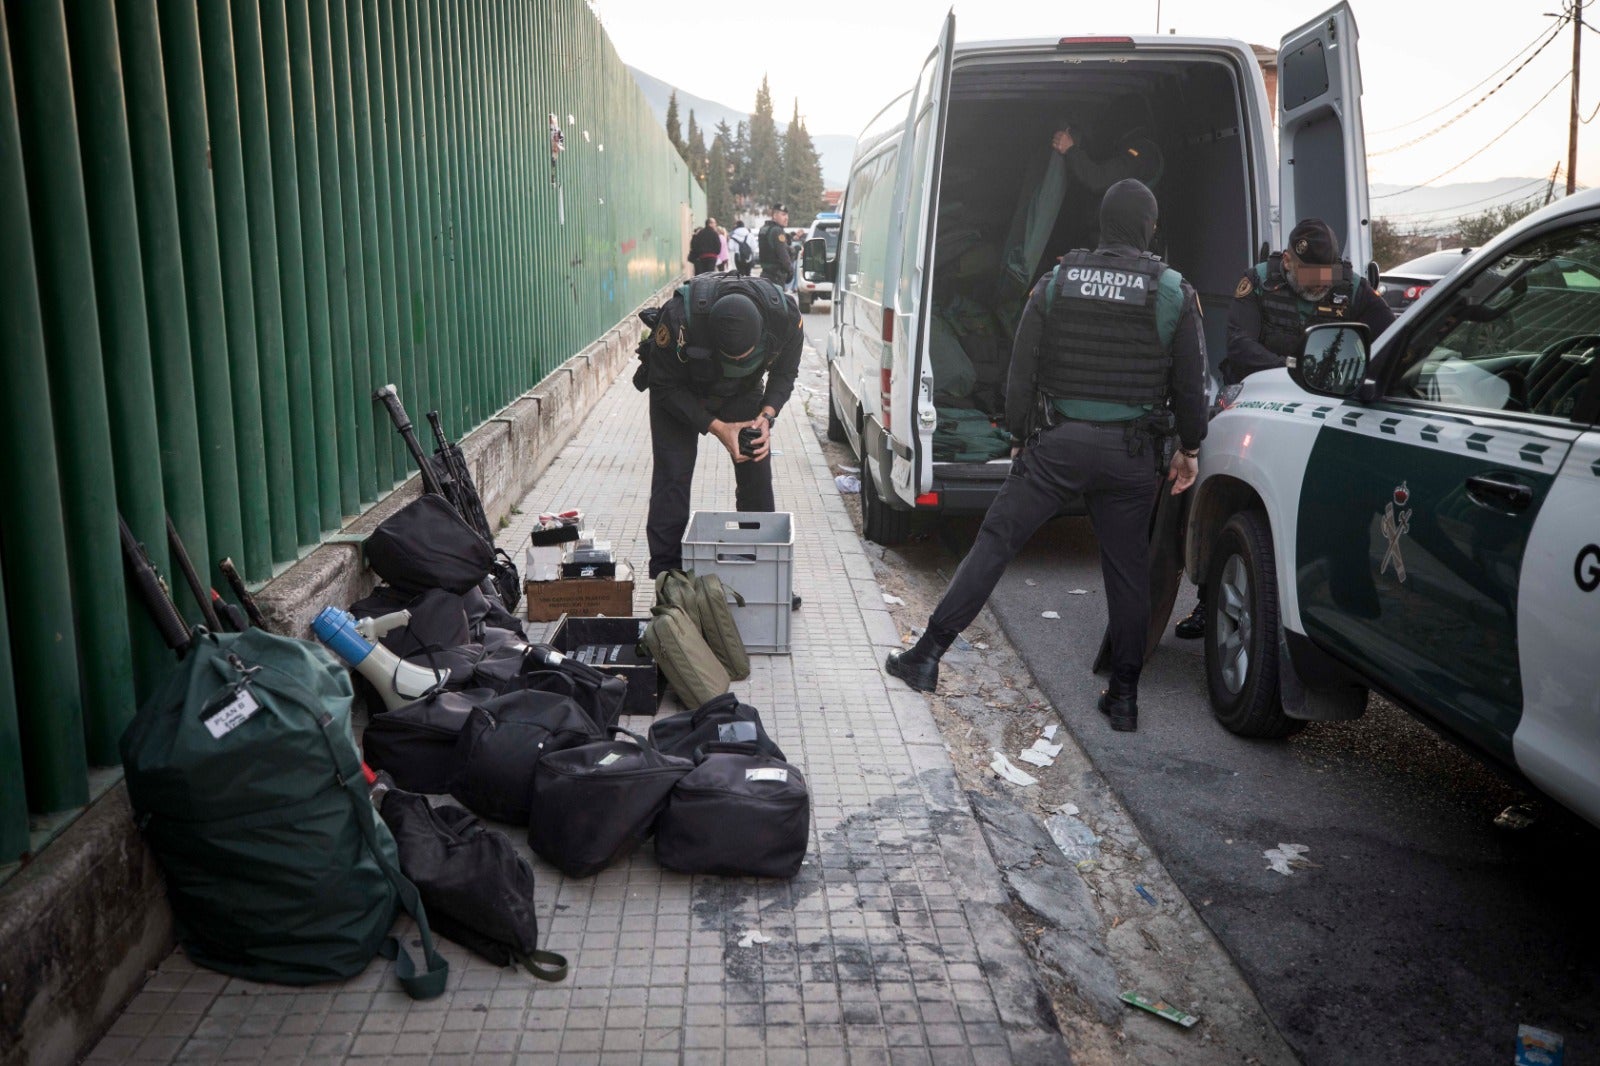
x: 948, y: 160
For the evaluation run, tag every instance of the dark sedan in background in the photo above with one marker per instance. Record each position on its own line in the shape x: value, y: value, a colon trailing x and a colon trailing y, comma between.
x: 1401, y: 286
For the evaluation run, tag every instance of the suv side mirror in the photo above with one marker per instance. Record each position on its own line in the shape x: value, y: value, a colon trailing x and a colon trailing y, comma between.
x: 1334, y: 360
x: 814, y: 259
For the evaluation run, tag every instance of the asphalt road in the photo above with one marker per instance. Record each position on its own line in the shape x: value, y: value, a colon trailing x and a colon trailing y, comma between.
x: 1419, y: 931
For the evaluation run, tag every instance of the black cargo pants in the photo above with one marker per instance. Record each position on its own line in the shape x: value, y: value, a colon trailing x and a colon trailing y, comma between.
x: 1087, y: 460
x: 674, y: 446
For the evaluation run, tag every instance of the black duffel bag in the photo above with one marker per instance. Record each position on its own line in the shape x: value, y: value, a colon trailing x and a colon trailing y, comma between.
x: 501, y: 742
x: 477, y: 889
x: 426, y: 545
x: 594, y: 804
x: 539, y: 667
x: 739, y: 813
x: 416, y: 744
x: 722, y: 719
x: 486, y: 609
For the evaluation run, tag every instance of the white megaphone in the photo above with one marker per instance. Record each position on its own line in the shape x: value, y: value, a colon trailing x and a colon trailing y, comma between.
x: 397, y: 681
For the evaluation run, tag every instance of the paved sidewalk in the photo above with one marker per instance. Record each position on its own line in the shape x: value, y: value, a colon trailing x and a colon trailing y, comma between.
x: 890, y: 946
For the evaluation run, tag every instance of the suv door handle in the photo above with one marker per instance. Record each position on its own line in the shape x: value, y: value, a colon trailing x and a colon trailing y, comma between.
x: 1505, y: 495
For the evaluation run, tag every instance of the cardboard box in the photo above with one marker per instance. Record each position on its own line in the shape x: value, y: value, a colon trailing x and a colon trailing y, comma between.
x: 611, y: 645
x: 581, y: 597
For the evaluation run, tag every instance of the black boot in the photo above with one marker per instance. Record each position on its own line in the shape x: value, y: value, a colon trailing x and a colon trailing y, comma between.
x: 918, y: 665
x: 1194, y: 626
x: 1122, y: 707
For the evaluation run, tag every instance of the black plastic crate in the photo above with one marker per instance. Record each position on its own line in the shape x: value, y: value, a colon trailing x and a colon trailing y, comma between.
x: 611, y: 645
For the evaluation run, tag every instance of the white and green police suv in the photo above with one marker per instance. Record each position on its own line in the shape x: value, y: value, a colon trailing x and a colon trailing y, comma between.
x: 1423, y: 520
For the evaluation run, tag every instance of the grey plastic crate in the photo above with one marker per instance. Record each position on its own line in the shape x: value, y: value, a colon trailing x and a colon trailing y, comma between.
x: 753, y: 554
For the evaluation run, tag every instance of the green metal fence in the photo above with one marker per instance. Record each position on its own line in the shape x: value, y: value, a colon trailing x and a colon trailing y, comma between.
x: 222, y: 225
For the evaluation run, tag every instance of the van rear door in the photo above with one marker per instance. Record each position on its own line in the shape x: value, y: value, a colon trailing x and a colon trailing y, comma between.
x: 910, y: 264
x: 1322, y: 150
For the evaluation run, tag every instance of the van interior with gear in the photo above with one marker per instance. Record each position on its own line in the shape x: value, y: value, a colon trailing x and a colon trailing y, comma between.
x: 995, y: 201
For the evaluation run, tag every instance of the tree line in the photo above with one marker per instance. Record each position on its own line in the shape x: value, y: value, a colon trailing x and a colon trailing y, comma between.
x: 752, y: 166
x: 1392, y: 244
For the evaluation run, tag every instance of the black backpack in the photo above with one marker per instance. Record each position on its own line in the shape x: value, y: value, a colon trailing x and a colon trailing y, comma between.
x: 739, y: 813
x: 426, y: 545
x: 416, y: 744
x: 720, y: 720
x: 515, y: 668
x: 478, y: 890
x: 503, y: 740
x: 594, y: 804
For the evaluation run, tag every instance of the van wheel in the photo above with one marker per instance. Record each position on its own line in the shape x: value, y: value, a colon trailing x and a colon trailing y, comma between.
x: 880, y: 523
x: 835, y: 423
x: 1242, y: 631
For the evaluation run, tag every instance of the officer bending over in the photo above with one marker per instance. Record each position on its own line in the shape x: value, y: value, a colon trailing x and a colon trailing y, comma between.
x: 722, y: 355
x: 1273, y: 305
x: 1110, y: 353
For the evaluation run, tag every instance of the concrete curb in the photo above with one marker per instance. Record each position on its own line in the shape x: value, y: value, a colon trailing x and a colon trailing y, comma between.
x: 83, y: 924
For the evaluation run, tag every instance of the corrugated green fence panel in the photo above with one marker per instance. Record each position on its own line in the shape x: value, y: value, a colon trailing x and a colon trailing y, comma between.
x: 272, y: 354
x: 225, y: 225
x: 226, y: 162
x: 120, y: 304
x: 32, y: 534
x: 77, y: 383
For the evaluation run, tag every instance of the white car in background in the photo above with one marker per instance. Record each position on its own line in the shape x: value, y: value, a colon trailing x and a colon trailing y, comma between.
x: 816, y: 285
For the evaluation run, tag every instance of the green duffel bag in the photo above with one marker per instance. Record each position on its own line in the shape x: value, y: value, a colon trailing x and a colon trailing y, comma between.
x: 683, y: 656
x: 705, y: 600
x: 243, y: 775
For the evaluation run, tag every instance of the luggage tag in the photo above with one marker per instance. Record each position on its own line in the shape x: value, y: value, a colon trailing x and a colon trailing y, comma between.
x: 767, y: 773
x: 236, y: 706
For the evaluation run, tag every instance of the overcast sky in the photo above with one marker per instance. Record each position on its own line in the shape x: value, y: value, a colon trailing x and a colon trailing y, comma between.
x: 843, y: 60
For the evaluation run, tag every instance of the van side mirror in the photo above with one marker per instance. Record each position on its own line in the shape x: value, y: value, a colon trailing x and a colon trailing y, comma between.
x: 1372, y: 274
x: 1334, y: 361
x: 814, y: 261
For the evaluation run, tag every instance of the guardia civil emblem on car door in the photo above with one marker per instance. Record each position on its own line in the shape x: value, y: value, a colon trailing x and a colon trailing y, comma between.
x: 1396, y: 523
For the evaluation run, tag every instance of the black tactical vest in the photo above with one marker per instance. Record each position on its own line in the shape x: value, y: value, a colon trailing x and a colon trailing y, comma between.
x: 1283, y: 328
x: 706, y: 367
x: 1100, y: 340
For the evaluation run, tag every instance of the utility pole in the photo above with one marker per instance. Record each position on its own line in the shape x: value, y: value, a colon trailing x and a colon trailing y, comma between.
x: 1572, y: 122
x: 1550, y: 189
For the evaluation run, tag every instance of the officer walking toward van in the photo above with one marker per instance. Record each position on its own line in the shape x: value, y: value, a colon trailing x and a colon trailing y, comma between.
x: 1109, y: 358
x: 721, y: 358
x: 1274, y: 304
x: 776, y: 263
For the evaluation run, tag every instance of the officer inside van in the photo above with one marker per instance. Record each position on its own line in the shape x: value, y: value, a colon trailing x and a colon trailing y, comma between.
x: 1274, y: 304
x: 721, y: 357
x: 1109, y: 359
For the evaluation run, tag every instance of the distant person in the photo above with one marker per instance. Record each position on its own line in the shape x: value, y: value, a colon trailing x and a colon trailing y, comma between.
x: 743, y: 245
x: 704, y: 247
x: 1274, y: 304
x: 722, y: 258
x: 777, y: 266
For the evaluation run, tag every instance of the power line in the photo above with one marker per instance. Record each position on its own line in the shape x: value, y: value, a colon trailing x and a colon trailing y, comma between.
x: 1472, y: 88
x: 1485, y: 146
x: 1473, y: 106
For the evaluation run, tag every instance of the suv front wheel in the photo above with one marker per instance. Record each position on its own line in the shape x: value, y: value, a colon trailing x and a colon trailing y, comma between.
x: 1242, y: 631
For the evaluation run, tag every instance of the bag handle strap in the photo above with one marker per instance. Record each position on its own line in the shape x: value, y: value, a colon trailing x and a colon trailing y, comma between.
x: 545, y: 965
x: 430, y: 983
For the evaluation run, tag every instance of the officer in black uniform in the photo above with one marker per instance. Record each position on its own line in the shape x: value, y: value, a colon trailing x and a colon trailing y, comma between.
x: 1108, y: 359
x: 777, y: 265
x: 721, y: 355
x: 1274, y: 304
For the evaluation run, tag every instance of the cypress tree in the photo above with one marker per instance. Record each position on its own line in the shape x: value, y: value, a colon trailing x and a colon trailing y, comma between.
x: 766, y: 157
x: 674, y: 130
x: 802, y: 171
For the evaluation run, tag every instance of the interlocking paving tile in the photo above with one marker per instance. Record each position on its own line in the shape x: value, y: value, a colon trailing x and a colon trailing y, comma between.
x: 886, y: 947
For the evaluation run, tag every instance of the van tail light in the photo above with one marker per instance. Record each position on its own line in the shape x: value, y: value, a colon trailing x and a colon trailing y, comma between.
x: 885, y: 394
x: 888, y: 325
x: 1095, y: 42
x: 928, y: 499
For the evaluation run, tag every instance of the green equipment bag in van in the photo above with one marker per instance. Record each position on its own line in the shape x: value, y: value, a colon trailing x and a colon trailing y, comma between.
x: 705, y: 599
x: 690, y: 666
x: 244, y: 778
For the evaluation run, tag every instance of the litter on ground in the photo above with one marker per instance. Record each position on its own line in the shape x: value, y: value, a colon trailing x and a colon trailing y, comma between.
x: 848, y: 484
x: 752, y: 937
x: 1050, y: 614
x: 1161, y: 1008
x: 1003, y: 768
x: 1145, y: 894
x: 1037, y: 758
x: 1077, y: 592
x: 895, y: 600
x: 1076, y: 840
x: 1050, y: 732
x: 1045, y: 748
x: 1285, y: 857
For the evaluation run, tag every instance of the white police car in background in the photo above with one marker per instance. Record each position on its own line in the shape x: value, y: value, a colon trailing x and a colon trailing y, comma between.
x: 815, y: 284
x: 1425, y: 524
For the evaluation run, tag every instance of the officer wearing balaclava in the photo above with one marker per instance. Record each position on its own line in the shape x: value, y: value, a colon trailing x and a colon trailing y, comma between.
x: 1109, y: 352
x: 721, y: 356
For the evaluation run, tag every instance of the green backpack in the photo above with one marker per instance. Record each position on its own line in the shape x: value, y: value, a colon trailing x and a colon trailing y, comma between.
x: 705, y: 600
x: 683, y: 656
x: 244, y: 777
